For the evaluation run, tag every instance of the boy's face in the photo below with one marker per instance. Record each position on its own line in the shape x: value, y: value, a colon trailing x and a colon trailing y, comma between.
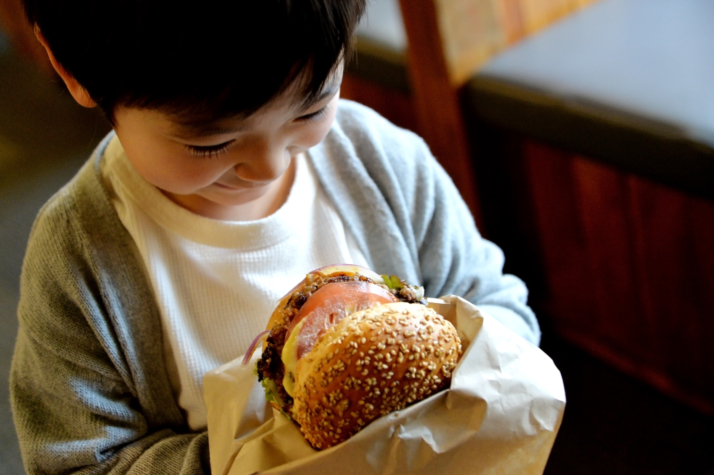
x: 235, y: 169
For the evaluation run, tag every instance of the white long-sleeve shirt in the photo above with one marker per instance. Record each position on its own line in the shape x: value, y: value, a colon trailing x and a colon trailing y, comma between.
x: 217, y: 282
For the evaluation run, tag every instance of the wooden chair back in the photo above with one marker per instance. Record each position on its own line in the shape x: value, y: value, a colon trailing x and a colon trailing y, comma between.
x: 448, y: 41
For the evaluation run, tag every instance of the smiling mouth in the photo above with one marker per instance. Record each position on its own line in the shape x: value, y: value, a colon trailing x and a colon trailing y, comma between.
x: 225, y: 187
x: 242, y: 186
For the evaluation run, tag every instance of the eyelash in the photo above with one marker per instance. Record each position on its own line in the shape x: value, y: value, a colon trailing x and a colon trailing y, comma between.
x: 212, y: 151
x: 314, y: 116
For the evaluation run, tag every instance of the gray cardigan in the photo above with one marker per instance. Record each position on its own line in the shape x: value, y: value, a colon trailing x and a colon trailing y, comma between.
x: 89, y: 388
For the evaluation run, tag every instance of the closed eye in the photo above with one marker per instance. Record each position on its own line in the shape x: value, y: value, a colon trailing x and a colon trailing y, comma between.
x: 313, y: 116
x: 208, y: 151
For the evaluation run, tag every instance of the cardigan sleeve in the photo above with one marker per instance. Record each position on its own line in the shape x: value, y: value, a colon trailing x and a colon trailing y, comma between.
x: 83, y: 399
x: 410, y: 219
x: 456, y: 259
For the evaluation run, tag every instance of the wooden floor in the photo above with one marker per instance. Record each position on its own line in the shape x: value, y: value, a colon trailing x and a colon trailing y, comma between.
x: 613, y: 424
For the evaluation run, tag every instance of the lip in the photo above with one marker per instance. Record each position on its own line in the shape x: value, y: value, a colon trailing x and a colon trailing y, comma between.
x: 226, y: 187
x: 240, y: 187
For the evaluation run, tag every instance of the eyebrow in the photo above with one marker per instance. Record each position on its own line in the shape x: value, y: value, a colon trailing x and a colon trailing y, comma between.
x: 201, y: 130
x: 207, y: 129
x: 327, y: 92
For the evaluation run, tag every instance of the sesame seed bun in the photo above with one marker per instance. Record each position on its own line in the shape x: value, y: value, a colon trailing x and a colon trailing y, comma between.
x: 371, y: 363
x: 314, y: 304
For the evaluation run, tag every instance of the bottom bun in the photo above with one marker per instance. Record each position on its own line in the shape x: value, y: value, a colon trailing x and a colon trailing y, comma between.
x: 373, y: 362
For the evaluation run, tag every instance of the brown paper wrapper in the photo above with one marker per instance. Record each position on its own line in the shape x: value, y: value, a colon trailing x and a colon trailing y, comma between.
x: 500, y: 416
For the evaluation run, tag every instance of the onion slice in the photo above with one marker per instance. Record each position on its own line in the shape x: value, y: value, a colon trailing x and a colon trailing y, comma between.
x: 251, y: 349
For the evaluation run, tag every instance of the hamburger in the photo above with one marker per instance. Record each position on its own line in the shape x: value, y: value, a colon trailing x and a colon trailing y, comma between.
x: 347, y: 346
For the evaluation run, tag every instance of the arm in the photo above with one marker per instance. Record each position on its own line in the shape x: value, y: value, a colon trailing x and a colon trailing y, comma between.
x: 88, y: 388
x: 409, y: 219
x: 456, y: 259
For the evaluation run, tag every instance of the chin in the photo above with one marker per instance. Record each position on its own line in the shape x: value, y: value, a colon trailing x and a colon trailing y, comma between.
x: 240, y: 197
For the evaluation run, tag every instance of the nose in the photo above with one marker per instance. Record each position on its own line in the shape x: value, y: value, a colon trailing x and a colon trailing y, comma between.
x: 263, y: 163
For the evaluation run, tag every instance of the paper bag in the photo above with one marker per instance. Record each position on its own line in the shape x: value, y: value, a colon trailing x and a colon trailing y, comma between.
x: 500, y: 416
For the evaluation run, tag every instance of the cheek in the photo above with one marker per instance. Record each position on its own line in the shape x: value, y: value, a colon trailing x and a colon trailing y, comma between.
x: 322, y: 131
x: 170, y: 170
x: 314, y: 133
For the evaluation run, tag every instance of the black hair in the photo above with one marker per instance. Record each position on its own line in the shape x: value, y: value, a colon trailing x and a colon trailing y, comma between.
x: 197, y: 60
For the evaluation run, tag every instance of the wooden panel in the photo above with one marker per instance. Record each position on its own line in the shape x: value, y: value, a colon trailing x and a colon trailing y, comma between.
x: 471, y: 32
x: 675, y: 233
x: 570, y: 300
x: 538, y: 14
x: 604, y: 197
x: 522, y: 18
x: 512, y: 20
x: 630, y: 270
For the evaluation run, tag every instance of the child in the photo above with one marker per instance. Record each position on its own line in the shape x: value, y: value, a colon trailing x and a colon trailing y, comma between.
x: 232, y: 170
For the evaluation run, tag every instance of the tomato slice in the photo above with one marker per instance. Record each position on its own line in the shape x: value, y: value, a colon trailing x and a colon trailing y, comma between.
x: 330, y: 304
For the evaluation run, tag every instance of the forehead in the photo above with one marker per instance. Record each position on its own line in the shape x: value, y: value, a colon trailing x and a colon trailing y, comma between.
x: 292, y: 102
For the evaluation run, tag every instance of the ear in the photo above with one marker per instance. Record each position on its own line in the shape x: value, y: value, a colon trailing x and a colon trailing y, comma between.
x: 78, y: 92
